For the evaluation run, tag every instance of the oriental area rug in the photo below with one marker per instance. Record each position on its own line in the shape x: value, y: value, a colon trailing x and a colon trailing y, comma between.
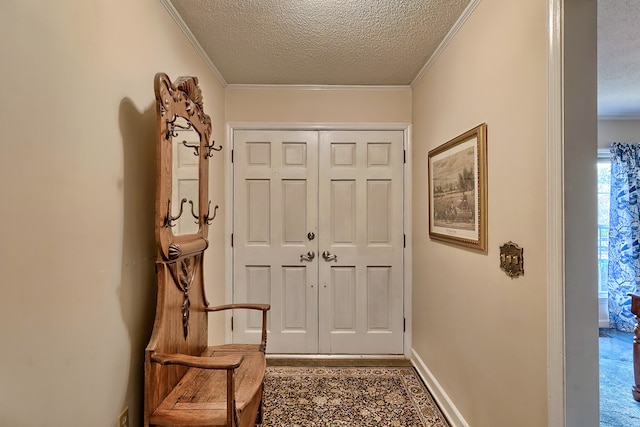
x: 348, y: 396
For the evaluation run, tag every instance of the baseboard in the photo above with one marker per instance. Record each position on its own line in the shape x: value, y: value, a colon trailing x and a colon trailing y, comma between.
x: 446, y: 405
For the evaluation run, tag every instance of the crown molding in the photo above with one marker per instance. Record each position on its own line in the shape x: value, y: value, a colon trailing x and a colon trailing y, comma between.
x: 194, y: 42
x: 447, y: 39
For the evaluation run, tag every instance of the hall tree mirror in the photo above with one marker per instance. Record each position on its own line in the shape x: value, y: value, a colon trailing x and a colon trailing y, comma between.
x: 184, y: 171
x: 184, y: 149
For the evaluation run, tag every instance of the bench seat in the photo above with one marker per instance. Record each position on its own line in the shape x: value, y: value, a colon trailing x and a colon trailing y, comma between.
x: 200, y: 397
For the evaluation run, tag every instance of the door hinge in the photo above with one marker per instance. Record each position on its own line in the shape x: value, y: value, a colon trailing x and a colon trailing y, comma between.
x: 231, y: 239
x: 232, y: 323
x: 404, y: 324
x: 231, y: 156
x: 404, y: 156
x: 404, y: 241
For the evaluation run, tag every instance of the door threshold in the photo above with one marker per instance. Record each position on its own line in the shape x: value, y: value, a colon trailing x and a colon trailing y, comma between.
x: 336, y: 360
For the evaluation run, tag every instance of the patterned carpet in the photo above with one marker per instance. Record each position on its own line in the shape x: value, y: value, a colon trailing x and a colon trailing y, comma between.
x: 348, y: 396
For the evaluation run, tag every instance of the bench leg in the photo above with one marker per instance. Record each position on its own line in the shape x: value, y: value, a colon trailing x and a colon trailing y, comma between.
x: 259, y: 417
x: 260, y: 409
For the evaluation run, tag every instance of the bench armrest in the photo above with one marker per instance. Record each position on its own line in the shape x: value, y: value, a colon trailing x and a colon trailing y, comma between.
x: 228, y: 363
x: 219, y: 362
x: 263, y: 307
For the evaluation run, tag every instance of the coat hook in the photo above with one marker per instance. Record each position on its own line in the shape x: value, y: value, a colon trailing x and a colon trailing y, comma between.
x: 210, y: 147
x: 196, y: 148
x: 168, y: 219
x: 215, y: 210
x: 197, y: 221
x: 171, y: 131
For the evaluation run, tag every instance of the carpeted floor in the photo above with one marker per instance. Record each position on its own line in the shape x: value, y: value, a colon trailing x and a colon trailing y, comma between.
x: 617, y: 406
x: 348, y: 396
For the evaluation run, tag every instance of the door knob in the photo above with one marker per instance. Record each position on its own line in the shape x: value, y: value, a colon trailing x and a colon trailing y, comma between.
x: 309, y: 256
x: 311, y: 235
x: 329, y: 257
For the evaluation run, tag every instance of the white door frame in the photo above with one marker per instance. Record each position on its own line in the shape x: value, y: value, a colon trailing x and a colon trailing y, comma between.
x: 228, y: 198
x: 571, y: 302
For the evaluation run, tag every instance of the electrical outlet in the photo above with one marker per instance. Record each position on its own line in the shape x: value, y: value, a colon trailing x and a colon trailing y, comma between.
x: 123, y: 419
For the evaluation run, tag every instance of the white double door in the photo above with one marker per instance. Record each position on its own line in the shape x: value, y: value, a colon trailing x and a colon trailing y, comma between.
x: 318, y: 234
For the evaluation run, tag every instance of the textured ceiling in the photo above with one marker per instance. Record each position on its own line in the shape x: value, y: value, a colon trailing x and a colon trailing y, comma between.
x: 319, y: 42
x: 375, y: 42
x: 618, y: 58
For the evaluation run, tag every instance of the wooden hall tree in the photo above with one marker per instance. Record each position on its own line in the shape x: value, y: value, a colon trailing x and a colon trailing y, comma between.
x: 188, y: 382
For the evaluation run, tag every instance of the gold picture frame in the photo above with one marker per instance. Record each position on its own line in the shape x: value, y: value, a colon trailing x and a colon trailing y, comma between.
x: 457, y: 184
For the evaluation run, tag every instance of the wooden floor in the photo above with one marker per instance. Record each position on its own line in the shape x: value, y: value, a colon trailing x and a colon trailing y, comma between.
x: 334, y: 361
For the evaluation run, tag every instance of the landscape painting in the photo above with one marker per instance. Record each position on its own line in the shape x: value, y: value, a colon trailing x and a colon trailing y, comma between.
x: 457, y: 190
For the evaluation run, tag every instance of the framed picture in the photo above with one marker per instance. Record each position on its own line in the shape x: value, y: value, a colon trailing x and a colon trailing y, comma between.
x: 458, y: 190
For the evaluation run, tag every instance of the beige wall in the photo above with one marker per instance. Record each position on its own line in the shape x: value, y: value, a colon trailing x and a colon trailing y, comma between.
x: 77, y: 203
x: 316, y: 105
x: 611, y: 130
x: 481, y: 334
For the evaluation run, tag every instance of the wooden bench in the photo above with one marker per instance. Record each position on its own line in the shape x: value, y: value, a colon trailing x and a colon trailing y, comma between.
x: 187, y: 382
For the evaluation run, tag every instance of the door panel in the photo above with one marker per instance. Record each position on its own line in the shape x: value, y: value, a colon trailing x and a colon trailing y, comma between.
x: 275, y: 206
x: 343, y: 212
x: 361, y: 293
x: 258, y: 219
x: 258, y: 290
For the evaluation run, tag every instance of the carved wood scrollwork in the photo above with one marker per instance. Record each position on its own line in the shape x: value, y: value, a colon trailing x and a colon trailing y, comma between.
x: 183, y: 273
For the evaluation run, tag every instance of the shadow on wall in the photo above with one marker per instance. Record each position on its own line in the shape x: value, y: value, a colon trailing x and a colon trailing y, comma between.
x: 137, y: 291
